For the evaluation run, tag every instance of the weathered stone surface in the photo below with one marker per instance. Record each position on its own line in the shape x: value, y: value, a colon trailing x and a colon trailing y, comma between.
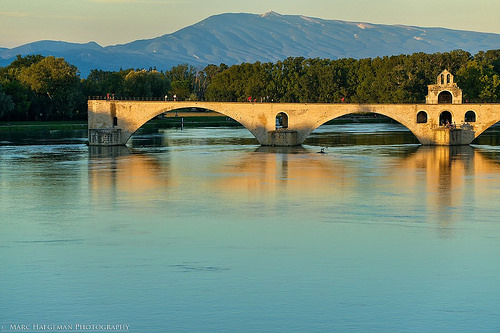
x: 105, y: 137
x: 283, y: 138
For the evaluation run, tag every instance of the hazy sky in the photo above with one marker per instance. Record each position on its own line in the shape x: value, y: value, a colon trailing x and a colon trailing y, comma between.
x: 120, y: 21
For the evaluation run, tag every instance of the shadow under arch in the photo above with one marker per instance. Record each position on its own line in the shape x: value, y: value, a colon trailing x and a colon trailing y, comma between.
x: 185, y: 117
x: 385, y: 132
x: 487, y: 125
x: 490, y: 136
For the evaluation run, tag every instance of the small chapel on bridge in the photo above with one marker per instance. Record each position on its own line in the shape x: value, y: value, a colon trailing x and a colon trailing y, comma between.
x: 445, y: 91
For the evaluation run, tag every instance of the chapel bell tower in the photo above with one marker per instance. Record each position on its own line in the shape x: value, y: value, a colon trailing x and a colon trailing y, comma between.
x: 445, y: 91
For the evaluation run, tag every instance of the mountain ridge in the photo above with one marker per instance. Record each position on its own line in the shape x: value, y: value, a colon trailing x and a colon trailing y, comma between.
x: 234, y: 38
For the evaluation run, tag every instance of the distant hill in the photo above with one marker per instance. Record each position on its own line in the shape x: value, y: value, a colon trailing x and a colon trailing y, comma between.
x: 237, y: 38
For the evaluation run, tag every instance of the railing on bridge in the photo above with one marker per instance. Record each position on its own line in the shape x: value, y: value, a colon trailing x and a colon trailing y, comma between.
x: 122, y: 98
x: 158, y: 99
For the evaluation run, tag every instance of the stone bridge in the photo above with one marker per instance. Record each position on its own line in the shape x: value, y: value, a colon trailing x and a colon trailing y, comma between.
x: 442, y: 120
x: 289, y: 124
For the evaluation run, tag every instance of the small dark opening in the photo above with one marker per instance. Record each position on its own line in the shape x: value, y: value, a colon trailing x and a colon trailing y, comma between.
x: 115, y: 121
x: 445, y: 118
x: 281, y: 120
x: 445, y: 97
x: 421, y: 117
x: 470, y: 117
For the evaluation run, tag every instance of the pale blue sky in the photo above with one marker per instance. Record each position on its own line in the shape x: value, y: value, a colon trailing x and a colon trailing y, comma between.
x: 120, y: 21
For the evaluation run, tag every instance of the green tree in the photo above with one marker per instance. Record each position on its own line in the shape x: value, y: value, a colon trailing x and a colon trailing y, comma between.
x: 366, y: 84
x: 420, y: 72
x: 395, y: 79
x: 479, y: 82
x: 223, y: 86
x: 6, y: 104
x: 145, y: 83
x: 56, y: 84
x: 204, y: 78
x: 101, y: 83
x: 452, y: 61
x: 20, y: 93
x: 12, y: 71
x: 22, y: 98
x: 182, y: 78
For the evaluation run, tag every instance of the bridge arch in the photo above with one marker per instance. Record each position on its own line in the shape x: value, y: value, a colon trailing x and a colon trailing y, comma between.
x: 384, y: 110
x: 180, y: 112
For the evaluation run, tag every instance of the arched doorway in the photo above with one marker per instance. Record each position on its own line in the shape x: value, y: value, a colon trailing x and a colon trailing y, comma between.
x: 281, y: 120
x: 445, y: 118
x: 470, y: 116
x: 421, y: 117
x: 445, y: 97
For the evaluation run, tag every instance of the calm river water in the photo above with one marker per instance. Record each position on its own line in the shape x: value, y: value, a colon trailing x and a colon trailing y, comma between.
x: 203, y: 230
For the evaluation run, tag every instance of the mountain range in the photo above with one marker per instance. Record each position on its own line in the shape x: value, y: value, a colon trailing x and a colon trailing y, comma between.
x: 235, y: 38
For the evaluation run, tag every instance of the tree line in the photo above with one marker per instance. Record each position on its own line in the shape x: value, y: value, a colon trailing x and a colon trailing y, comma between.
x: 35, y: 87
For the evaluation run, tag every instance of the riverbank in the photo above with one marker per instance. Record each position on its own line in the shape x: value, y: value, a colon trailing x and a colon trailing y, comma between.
x: 14, y: 125
x: 42, y: 132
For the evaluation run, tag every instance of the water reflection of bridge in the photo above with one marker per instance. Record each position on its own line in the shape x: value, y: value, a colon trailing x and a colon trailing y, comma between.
x: 443, y: 120
x: 445, y: 180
